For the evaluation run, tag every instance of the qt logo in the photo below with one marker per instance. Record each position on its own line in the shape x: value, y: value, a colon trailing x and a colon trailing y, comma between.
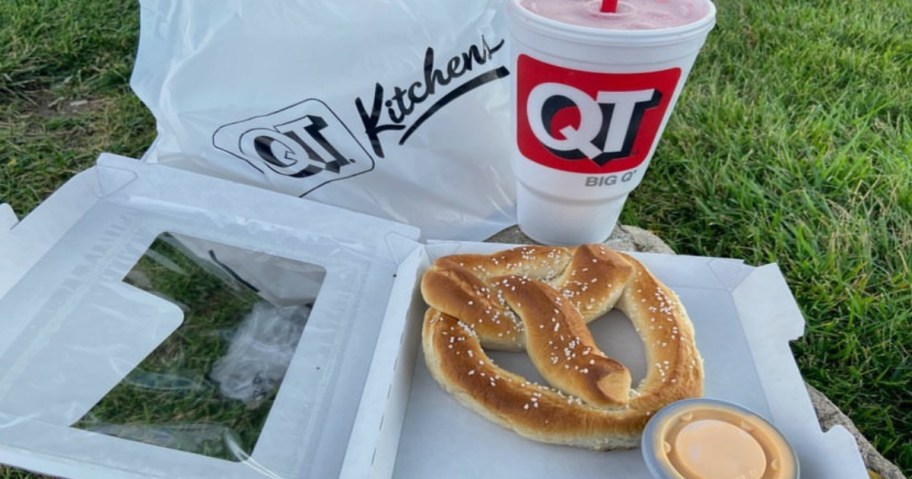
x: 607, y: 125
x: 298, y: 149
x: 589, y: 122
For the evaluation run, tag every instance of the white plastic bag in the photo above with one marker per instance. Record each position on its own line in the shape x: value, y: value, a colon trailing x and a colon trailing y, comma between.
x: 395, y: 108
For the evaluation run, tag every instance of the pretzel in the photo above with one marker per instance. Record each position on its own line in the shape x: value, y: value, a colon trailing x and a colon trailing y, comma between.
x: 540, y: 298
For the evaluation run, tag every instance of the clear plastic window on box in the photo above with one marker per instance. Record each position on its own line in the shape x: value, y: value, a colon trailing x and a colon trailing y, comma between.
x: 208, y: 388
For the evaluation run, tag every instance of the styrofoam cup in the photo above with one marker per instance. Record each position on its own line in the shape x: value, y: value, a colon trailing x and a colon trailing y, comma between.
x: 590, y: 105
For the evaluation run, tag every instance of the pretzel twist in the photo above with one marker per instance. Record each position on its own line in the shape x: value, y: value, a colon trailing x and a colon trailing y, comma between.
x: 539, y: 299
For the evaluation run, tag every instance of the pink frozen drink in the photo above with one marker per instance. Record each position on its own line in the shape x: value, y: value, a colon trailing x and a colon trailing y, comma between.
x: 592, y: 93
x: 630, y: 14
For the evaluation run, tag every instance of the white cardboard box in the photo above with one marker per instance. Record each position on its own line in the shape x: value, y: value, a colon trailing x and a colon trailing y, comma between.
x: 744, y: 318
x: 71, y: 328
x: 357, y: 400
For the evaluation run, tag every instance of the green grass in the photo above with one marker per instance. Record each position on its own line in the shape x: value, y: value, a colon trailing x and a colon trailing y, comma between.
x: 792, y: 144
x: 64, y: 97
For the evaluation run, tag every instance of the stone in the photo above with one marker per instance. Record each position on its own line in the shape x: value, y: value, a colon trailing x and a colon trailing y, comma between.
x: 623, y: 238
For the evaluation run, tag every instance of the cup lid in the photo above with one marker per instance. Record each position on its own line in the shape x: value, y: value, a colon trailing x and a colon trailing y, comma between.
x: 517, y: 14
x: 709, y: 439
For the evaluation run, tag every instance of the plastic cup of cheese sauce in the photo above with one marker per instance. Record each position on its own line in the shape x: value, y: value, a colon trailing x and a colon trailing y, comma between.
x: 711, y: 439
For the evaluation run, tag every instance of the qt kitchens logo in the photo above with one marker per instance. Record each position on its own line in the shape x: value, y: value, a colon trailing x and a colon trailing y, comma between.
x: 305, y: 146
x: 587, y: 122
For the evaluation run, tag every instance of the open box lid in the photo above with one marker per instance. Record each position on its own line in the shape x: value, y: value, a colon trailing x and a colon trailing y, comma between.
x: 78, y: 317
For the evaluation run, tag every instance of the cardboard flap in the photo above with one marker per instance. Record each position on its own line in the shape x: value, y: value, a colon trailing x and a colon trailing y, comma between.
x: 781, y: 320
x: 35, y: 234
x: 401, y: 247
x: 8, y: 217
x: 729, y: 272
x: 111, y: 176
x: 772, y: 325
x: 382, y: 409
x: 75, y: 351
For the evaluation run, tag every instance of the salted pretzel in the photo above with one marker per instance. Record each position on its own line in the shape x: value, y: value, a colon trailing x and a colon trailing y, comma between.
x: 539, y: 299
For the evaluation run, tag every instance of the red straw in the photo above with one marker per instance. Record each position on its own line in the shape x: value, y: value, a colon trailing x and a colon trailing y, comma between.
x: 609, y: 6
